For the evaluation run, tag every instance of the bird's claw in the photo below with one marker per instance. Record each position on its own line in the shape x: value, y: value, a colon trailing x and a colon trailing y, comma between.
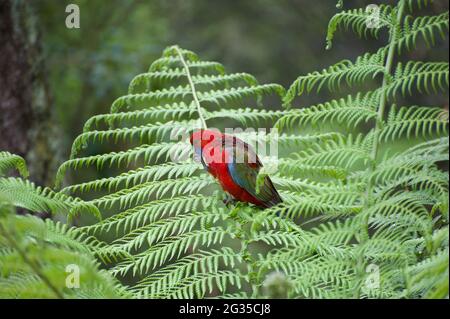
x: 229, y: 200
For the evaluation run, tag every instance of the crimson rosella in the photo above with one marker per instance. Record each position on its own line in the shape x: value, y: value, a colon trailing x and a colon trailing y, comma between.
x: 235, y: 165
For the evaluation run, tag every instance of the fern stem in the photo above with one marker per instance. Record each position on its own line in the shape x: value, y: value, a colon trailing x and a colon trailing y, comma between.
x: 382, y: 103
x: 238, y: 221
x: 388, y: 70
x: 30, y: 263
x: 378, y: 127
x: 245, y: 251
x: 191, y: 83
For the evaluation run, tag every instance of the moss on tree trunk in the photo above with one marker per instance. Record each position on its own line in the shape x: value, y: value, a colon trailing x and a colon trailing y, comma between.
x: 26, y: 125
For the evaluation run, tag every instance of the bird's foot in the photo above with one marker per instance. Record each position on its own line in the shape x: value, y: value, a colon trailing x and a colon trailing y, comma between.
x: 229, y: 200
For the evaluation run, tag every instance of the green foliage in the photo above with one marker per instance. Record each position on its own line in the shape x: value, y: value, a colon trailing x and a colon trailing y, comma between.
x: 37, y: 257
x: 9, y: 161
x: 24, y: 194
x: 389, y: 208
x: 365, y: 195
x: 169, y: 233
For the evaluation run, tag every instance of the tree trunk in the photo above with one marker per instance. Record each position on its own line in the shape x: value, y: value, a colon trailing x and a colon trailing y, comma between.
x: 26, y: 122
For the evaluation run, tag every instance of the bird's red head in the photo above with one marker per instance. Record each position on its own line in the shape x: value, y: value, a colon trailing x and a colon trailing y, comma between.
x: 201, y: 138
x: 208, y: 145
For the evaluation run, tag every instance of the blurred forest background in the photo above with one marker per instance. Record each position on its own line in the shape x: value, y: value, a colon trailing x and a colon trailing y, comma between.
x: 76, y: 73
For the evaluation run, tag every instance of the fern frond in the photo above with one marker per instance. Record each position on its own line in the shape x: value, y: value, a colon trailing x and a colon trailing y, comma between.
x: 168, y: 112
x: 350, y: 111
x: 366, y: 66
x: 348, y: 203
x: 34, y: 258
x: 357, y: 20
x: 425, y: 77
x: 245, y: 116
x: 155, y: 232
x: 429, y: 279
x: 148, y: 153
x: 25, y: 194
x: 138, y: 216
x: 339, y: 203
x: 145, y: 133
x: 342, y: 152
x: 143, y: 192
x: 147, y: 81
x: 419, y: 4
x: 425, y: 27
x: 204, y: 262
x: 415, y: 121
x: 166, y: 63
x: 172, y: 247
x: 138, y: 176
x: 199, y: 285
x: 11, y: 161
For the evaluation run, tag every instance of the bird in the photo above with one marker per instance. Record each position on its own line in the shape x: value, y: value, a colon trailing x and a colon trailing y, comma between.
x: 235, y: 165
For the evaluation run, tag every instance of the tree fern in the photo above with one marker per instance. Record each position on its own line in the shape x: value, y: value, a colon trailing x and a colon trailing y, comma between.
x: 38, y: 257
x: 167, y: 219
x: 10, y: 161
x: 365, y: 199
x: 402, y: 202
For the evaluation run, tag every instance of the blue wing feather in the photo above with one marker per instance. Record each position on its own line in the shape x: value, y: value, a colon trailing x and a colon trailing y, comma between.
x: 245, y: 175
